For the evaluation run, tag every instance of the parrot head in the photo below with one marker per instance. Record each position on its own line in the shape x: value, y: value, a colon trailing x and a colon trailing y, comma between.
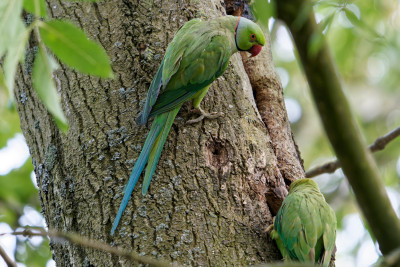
x: 304, y: 185
x: 249, y: 36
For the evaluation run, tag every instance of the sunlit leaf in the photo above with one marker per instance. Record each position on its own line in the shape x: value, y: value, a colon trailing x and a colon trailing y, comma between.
x: 15, y: 53
x: 317, y: 38
x: 326, y: 4
x: 71, y: 45
x: 16, y: 189
x: 326, y: 23
x: 352, y: 17
x: 9, y: 123
x: 43, y: 83
x: 37, y: 7
x: 10, y: 11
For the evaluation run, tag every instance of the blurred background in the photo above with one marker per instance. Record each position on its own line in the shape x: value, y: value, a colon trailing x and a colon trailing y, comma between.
x: 365, y: 42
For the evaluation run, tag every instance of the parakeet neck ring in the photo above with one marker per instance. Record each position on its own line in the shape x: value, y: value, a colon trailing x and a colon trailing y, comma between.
x: 236, y: 27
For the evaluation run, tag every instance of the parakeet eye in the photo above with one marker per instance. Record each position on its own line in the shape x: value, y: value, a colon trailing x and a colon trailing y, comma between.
x: 252, y: 37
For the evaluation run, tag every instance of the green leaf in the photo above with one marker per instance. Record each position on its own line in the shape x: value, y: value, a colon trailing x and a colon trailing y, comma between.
x: 15, y: 53
x: 43, y: 83
x: 10, y: 11
x: 36, y: 7
x: 71, y: 45
x: 317, y: 38
x: 351, y: 16
x: 9, y: 123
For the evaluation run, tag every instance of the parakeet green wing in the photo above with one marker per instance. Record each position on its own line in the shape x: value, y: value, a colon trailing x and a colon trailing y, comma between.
x: 198, y: 68
x: 173, y: 57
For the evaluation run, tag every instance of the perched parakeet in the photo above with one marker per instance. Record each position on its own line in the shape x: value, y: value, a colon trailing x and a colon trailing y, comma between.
x: 305, y: 226
x: 198, y: 54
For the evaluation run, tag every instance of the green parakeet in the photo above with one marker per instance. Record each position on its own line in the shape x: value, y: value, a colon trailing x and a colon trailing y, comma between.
x: 198, y: 54
x: 305, y: 226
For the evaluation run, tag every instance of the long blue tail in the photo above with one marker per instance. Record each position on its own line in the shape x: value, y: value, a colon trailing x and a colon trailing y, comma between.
x: 151, y: 152
x: 155, y: 152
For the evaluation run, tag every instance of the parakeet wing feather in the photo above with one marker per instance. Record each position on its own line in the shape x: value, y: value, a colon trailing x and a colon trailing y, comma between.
x: 173, y: 57
x: 152, y: 96
x: 198, y: 68
x: 329, y: 236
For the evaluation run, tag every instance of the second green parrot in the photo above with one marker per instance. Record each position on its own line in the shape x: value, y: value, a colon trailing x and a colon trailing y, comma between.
x: 305, y: 226
x: 198, y: 54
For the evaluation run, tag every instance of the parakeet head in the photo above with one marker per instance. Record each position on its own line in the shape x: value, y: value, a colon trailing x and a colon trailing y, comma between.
x: 249, y: 36
x: 304, y: 184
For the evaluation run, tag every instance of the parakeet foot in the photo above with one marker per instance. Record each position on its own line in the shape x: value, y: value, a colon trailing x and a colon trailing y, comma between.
x: 270, y: 228
x: 204, y: 115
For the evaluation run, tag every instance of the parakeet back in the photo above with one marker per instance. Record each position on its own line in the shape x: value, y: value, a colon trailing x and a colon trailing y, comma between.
x: 306, y: 224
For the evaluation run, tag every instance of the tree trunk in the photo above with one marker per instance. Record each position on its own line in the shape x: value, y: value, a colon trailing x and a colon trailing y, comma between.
x: 215, y: 187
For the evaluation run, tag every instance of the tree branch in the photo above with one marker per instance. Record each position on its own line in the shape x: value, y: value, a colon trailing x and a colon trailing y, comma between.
x: 8, y: 260
x: 379, y: 144
x: 339, y: 123
x: 391, y: 260
x: 90, y: 243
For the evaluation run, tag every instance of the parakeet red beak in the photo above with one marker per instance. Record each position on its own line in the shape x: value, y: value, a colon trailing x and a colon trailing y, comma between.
x: 255, y: 50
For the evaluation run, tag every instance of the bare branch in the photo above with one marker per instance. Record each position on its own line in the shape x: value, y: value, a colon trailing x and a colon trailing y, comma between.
x: 8, y: 260
x: 379, y: 144
x: 90, y: 243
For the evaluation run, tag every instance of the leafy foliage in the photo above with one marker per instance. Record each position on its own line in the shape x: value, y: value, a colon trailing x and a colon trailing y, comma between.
x: 45, y: 87
x: 67, y: 42
x: 37, y: 7
x: 71, y: 45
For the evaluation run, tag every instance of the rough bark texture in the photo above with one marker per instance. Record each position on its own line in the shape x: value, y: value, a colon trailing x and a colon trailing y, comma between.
x: 208, y: 201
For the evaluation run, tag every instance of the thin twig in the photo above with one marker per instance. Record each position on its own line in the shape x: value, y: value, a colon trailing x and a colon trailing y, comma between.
x: 379, y: 144
x: 8, y: 260
x: 95, y: 244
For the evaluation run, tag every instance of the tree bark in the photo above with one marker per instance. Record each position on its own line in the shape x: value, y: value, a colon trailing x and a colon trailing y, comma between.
x: 209, y: 202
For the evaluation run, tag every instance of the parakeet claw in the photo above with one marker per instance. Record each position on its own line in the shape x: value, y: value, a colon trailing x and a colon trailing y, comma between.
x: 270, y: 228
x: 203, y: 115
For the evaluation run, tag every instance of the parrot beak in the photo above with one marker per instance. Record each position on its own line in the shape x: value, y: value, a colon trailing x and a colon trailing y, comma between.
x: 255, y: 50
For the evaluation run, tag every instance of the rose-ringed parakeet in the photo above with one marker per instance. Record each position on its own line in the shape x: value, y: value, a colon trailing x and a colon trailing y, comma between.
x: 198, y: 54
x: 305, y: 226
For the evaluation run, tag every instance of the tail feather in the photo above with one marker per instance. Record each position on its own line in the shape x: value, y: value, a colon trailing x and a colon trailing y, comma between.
x: 150, y: 154
x: 155, y: 152
x: 137, y: 169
